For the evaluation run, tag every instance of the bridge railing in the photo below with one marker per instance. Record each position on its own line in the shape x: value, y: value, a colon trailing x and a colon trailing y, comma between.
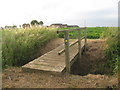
x: 67, y: 45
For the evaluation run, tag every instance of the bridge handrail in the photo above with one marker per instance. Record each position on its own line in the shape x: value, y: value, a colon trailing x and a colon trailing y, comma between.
x: 69, y: 30
x: 66, y: 41
x: 63, y: 50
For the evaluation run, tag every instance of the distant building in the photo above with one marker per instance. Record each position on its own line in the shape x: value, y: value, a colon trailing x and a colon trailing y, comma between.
x: 11, y: 27
x: 56, y: 25
x: 26, y: 25
x: 72, y: 26
x: 63, y: 25
x: 1, y: 28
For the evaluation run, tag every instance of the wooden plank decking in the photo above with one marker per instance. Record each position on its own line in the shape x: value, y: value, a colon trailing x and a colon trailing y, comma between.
x: 51, y: 61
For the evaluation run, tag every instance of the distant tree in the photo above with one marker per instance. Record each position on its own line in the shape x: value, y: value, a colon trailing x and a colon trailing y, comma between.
x: 41, y: 23
x: 14, y: 26
x: 20, y: 26
x: 34, y: 22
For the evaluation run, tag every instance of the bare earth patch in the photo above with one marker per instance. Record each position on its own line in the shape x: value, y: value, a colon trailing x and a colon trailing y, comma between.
x: 52, y: 44
x: 14, y: 77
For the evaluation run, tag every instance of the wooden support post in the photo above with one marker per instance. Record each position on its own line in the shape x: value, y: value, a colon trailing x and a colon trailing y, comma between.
x: 85, y: 37
x: 79, y: 44
x: 67, y: 57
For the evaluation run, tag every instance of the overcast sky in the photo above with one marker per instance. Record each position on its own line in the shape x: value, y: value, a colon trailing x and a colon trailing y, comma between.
x: 95, y: 12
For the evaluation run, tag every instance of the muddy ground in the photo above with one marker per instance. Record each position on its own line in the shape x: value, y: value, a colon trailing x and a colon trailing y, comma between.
x: 91, y: 73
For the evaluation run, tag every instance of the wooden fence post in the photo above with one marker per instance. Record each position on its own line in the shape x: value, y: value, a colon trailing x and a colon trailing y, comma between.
x: 79, y: 43
x: 85, y: 32
x: 67, y: 57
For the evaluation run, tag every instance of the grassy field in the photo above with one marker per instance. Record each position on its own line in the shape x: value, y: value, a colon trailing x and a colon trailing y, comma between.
x: 92, y: 32
x: 20, y: 46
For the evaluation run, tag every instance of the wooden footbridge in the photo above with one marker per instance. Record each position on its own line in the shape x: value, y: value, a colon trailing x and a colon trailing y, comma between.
x: 61, y: 58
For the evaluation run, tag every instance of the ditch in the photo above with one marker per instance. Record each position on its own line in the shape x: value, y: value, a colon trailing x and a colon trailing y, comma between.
x: 93, y: 61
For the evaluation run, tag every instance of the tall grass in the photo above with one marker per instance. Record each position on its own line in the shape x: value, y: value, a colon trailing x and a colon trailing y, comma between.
x: 112, y: 47
x: 0, y: 53
x: 20, y: 46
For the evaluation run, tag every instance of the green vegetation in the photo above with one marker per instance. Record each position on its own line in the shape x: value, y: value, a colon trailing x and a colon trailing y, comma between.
x: 41, y: 23
x: 20, y: 46
x: 92, y: 32
x: 112, y: 37
x: 112, y: 48
x: 35, y: 22
x: 0, y: 50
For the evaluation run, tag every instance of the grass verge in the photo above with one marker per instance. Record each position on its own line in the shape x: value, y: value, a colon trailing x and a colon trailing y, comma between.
x: 112, y: 48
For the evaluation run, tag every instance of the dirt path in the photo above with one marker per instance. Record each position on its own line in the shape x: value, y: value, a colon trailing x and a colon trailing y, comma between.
x: 90, y: 69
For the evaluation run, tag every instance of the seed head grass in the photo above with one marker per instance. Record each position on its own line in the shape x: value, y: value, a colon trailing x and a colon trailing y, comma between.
x: 19, y: 46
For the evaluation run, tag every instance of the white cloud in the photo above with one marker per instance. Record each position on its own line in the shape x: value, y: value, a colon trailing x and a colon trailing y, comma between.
x: 55, y: 11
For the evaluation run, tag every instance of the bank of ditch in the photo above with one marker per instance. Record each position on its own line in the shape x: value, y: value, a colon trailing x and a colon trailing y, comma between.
x: 93, y: 61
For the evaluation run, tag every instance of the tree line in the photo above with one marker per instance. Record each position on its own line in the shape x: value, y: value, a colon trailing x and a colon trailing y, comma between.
x: 35, y: 22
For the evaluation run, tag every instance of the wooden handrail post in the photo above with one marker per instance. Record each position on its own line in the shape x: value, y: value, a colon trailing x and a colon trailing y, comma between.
x: 85, y: 38
x: 66, y: 41
x: 63, y: 50
x: 67, y: 57
x: 79, y: 43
